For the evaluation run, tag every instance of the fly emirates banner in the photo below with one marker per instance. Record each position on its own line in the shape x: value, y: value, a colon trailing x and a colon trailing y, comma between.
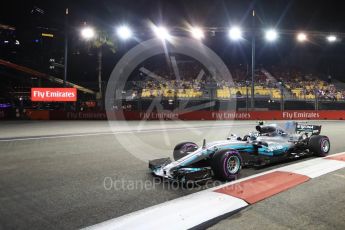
x: 53, y: 94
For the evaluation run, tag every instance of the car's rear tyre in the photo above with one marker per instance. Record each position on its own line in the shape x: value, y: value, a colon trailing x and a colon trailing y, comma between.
x: 183, y: 149
x: 319, y: 145
x: 226, y: 164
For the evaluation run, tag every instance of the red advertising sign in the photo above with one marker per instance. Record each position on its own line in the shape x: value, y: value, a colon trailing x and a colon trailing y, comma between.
x: 53, y: 94
x: 196, y: 115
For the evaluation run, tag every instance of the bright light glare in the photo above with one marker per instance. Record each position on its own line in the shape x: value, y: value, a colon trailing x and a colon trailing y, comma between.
x: 197, y: 33
x: 87, y: 33
x: 162, y: 33
x: 235, y: 33
x: 271, y: 35
x: 124, y: 32
x: 301, y: 37
x: 331, y: 38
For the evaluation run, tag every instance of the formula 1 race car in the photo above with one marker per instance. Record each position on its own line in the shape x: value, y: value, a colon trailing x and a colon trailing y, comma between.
x: 224, y: 159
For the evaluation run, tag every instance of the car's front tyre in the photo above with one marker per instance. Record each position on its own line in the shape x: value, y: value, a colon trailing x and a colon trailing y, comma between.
x: 226, y: 164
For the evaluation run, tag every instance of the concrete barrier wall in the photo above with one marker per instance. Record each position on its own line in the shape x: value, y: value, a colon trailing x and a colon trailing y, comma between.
x: 7, y: 114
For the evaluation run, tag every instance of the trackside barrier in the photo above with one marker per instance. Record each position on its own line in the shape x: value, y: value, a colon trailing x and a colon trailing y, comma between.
x: 195, y: 115
x: 38, y: 114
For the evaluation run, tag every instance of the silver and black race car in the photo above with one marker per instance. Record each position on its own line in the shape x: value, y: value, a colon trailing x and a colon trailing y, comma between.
x: 224, y: 159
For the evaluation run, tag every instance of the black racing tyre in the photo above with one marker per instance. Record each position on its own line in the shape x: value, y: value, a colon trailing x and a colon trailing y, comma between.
x: 226, y: 164
x: 319, y: 145
x: 183, y: 149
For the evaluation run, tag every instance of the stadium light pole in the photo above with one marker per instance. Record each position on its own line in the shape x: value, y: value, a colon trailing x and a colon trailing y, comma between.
x: 247, y: 94
x: 281, y: 96
x: 66, y: 53
x: 253, y: 60
x: 66, y: 49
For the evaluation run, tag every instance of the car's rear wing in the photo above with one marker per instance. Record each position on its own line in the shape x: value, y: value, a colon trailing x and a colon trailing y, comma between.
x: 307, y: 128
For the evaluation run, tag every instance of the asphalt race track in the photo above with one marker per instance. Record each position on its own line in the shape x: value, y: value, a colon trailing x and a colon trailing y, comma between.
x: 73, y: 174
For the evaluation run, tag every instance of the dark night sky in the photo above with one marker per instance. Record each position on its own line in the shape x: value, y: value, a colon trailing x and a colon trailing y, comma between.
x: 298, y: 14
x: 322, y: 15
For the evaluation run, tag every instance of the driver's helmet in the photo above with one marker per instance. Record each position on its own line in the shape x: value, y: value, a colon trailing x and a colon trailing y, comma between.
x: 267, y: 130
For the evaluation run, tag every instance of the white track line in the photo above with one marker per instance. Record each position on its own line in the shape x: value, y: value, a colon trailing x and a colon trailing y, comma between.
x: 53, y: 137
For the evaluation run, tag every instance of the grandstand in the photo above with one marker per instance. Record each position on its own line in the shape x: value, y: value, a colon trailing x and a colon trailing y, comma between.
x: 295, y: 85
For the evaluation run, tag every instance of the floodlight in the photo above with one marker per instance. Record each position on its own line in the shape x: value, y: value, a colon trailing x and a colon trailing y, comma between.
x: 235, y: 33
x: 161, y: 32
x: 302, y: 37
x: 124, y: 32
x: 271, y: 35
x: 197, y: 33
x: 331, y: 38
x: 88, y: 33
